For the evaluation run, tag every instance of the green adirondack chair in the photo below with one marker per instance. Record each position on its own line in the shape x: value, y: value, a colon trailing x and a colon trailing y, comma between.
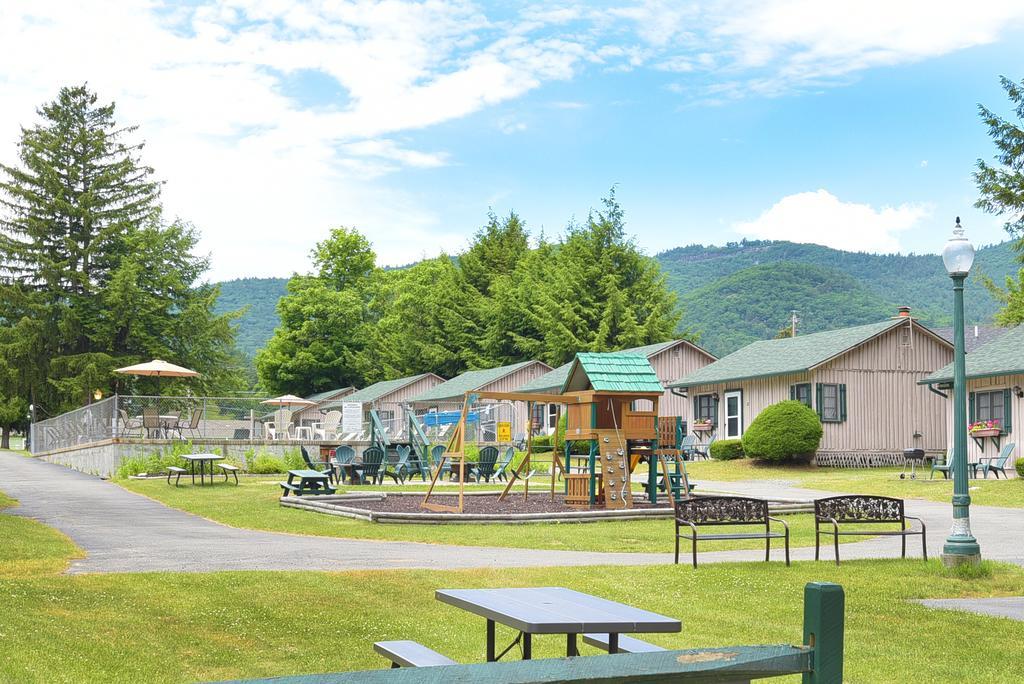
x: 419, y: 465
x: 485, y: 466
x: 371, y: 470
x: 318, y: 465
x: 436, y: 454
x: 343, y: 455
x: 997, y: 464
x: 946, y: 467
x: 501, y: 472
x: 400, y: 470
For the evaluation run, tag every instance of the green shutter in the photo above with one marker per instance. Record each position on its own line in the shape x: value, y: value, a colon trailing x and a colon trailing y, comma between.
x: 970, y: 407
x: 696, y: 416
x: 1007, y: 411
x: 817, y: 398
x: 792, y: 392
x: 714, y: 411
x: 842, y: 403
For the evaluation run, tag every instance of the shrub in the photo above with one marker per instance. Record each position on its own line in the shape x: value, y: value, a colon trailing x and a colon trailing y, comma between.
x: 1020, y: 466
x: 266, y: 464
x: 727, y: 449
x: 786, y: 431
x: 293, y: 460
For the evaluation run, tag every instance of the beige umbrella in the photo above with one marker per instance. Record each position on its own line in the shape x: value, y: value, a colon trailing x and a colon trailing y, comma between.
x: 287, y: 400
x: 158, y: 368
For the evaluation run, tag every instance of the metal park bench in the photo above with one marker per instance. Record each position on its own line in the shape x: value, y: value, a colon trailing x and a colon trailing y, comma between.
x: 726, y: 510
x: 819, y: 659
x: 859, y: 509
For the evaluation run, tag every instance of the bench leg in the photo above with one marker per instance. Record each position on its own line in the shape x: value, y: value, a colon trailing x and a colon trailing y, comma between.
x: 677, y: 542
x: 694, y: 550
x: 235, y: 473
x: 527, y: 646
x: 787, y: 547
x: 817, y: 542
x: 924, y: 543
x: 836, y: 545
x: 903, y: 544
x: 571, y: 648
x: 767, y: 548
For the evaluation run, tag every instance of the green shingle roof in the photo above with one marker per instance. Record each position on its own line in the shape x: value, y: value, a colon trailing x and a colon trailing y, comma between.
x: 1002, y: 356
x: 782, y: 357
x: 553, y: 381
x: 613, y: 372
x: 456, y: 388
x: 383, y: 388
x: 320, y: 396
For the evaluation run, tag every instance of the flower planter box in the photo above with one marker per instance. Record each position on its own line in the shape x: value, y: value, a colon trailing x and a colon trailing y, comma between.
x: 988, y: 432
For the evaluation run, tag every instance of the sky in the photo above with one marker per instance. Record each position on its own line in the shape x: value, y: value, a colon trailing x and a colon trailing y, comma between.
x: 848, y: 124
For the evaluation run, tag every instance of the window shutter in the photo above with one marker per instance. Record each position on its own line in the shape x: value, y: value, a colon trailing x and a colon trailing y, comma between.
x: 792, y: 392
x: 970, y: 407
x: 714, y: 411
x: 817, y: 398
x: 1007, y: 410
x: 696, y: 415
x: 842, y: 403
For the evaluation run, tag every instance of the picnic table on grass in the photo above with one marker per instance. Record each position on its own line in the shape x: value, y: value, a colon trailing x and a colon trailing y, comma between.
x: 309, y: 482
x: 202, y: 460
x: 554, y: 610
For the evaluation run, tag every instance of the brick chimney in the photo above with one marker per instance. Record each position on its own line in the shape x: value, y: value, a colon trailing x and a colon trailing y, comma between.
x: 903, y: 312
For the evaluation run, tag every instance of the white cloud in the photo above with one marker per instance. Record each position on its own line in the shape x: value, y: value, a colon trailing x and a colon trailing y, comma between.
x: 822, y: 218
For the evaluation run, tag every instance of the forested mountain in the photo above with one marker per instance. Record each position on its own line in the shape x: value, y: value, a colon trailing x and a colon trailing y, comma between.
x: 260, y: 295
x: 744, y: 291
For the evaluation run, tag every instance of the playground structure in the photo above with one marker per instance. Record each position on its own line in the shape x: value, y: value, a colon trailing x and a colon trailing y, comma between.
x: 611, y: 405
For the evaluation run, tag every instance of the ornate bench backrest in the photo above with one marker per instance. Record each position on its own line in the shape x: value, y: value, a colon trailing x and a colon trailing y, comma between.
x: 860, y: 509
x: 722, y: 510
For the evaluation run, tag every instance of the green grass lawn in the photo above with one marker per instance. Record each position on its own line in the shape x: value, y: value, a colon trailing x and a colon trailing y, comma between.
x: 171, y: 627
x: 254, y: 504
x: 879, y: 481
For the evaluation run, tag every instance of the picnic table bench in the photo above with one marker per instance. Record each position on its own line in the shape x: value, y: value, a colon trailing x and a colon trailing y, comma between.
x: 410, y: 654
x: 860, y: 509
x: 309, y: 482
x: 726, y: 510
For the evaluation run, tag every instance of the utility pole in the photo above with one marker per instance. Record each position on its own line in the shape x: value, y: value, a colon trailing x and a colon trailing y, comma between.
x: 793, y: 320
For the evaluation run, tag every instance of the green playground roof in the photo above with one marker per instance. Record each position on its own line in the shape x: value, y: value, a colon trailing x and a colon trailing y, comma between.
x: 1002, y: 356
x: 789, y: 355
x: 456, y: 388
x: 612, y: 372
x: 553, y: 381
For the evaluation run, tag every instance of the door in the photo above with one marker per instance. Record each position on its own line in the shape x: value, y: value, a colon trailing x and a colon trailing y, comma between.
x: 733, y: 414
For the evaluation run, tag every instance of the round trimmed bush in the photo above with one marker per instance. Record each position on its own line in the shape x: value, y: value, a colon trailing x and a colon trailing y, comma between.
x: 1019, y: 465
x: 727, y: 449
x: 787, y: 431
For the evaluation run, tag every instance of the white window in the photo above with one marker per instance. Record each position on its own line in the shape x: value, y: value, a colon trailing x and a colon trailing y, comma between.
x: 733, y: 414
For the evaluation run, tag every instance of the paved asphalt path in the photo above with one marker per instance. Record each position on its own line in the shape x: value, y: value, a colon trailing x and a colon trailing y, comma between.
x: 124, y: 532
x: 1009, y: 607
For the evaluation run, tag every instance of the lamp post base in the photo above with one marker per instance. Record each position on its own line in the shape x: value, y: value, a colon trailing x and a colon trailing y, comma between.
x: 953, y: 560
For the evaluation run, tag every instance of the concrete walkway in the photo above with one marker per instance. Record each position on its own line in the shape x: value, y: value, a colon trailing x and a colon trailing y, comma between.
x: 125, y: 532
x: 1009, y: 607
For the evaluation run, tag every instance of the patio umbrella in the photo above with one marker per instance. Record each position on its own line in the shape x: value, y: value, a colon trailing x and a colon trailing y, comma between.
x: 158, y: 369
x: 287, y: 400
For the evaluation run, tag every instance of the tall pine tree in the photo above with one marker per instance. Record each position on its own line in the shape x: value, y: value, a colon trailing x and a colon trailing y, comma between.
x: 83, y: 252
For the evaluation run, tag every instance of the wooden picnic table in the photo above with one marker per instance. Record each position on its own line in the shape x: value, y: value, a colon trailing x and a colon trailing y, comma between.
x: 554, y: 610
x: 309, y: 482
x: 202, y: 460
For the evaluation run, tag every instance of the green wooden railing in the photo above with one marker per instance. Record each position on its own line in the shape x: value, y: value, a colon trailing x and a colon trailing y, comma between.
x: 819, y: 659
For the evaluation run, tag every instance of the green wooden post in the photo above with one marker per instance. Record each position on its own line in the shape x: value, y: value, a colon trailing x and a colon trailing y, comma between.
x: 824, y: 607
x: 594, y: 450
x: 652, y: 468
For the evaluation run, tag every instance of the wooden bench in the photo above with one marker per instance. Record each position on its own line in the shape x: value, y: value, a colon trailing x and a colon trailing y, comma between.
x: 627, y: 644
x: 410, y: 654
x: 177, y: 472
x: 228, y: 468
x: 859, y: 509
x: 726, y: 510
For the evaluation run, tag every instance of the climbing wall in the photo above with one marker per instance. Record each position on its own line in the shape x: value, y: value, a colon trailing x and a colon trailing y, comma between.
x: 614, y: 469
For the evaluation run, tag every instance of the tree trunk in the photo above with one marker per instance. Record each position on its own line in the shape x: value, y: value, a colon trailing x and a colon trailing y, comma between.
x: 5, y: 437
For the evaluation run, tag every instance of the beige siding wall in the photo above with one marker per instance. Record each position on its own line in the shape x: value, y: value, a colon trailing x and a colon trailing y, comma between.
x: 674, y: 363
x: 885, y: 405
x: 1016, y: 434
x: 513, y: 381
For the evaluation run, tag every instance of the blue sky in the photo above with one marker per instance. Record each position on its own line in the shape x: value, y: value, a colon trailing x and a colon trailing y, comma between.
x: 848, y: 124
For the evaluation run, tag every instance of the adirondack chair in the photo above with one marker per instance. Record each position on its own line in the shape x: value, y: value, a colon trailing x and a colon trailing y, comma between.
x: 501, y: 473
x: 400, y: 469
x: 419, y: 465
x: 997, y: 464
x: 319, y: 465
x: 436, y: 454
x: 705, y: 449
x: 343, y: 456
x: 946, y: 467
x: 486, y: 465
x: 371, y: 470
x: 687, y: 447
x: 328, y: 427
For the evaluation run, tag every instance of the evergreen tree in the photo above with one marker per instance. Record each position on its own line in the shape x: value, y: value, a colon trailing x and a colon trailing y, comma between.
x: 495, y: 251
x: 83, y: 250
x: 1001, y: 186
